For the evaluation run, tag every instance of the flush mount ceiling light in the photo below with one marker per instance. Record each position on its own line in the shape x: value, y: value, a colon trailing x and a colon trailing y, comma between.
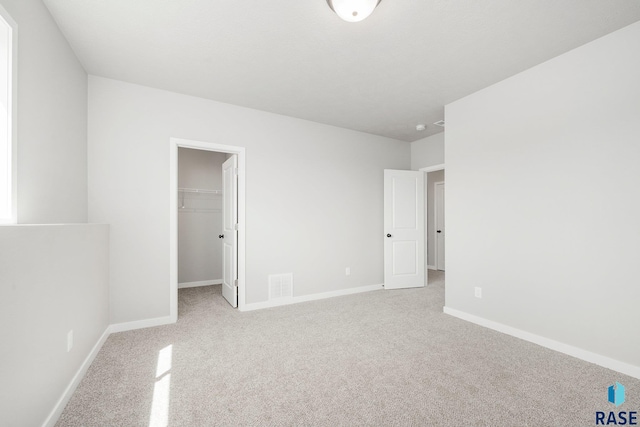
x: 353, y: 10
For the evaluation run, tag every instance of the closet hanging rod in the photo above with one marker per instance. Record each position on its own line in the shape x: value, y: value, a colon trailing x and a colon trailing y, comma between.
x: 198, y: 210
x: 199, y: 190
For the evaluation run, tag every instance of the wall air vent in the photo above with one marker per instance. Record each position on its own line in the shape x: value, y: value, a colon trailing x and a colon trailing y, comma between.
x: 280, y: 286
x: 439, y: 123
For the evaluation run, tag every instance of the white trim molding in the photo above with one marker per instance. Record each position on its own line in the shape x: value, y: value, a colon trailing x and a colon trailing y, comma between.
x: 313, y: 297
x: 432, y: 168
x: 604, y: 361
x: 139, y: 324
x: 54, y: 415
x: 199, y: 283
x: 11, y: 108
x: 57, y: 410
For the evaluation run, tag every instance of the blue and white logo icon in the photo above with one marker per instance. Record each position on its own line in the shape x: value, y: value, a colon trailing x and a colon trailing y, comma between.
x: 616, y: 394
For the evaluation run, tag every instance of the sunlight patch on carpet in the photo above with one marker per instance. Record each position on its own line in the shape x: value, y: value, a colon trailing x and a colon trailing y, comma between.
x: 159, y: 416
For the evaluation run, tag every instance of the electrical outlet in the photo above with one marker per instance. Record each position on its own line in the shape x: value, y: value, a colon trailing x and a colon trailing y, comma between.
x: 478, y: 292
x: 347, y: 271
x: 69, y: 340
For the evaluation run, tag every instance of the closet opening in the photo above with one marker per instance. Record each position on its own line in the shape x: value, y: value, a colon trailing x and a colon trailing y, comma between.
x: 207, y: 217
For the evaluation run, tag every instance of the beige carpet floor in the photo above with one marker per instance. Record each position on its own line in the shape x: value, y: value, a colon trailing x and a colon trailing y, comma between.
x: 383, y: 358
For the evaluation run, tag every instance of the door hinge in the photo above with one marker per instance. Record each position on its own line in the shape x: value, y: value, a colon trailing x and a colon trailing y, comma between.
x: 236, y: 227
x: 235, y: 171
x: 235, y: 283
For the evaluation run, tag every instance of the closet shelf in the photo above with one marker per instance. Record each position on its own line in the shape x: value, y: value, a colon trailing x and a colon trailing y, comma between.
x: 199, y: 190
x: 198, y: 210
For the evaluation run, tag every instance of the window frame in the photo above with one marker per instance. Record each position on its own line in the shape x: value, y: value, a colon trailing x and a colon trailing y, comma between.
x: 12, y: 122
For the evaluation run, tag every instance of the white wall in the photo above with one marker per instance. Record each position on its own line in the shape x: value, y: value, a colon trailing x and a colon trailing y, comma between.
x: 542, y: 199
x: 432, y: 178
x: 428, y: 151
x: 200, y: 221
x: 53, y: 279
x: 314, y: 193
x: 52, y: 120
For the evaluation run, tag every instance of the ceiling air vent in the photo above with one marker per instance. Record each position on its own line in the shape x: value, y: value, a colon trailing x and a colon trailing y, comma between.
x: 439, y: 123
x: 280, y: 286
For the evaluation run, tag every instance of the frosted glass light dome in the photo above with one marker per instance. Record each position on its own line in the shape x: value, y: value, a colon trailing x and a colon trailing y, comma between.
x: 353, y: 10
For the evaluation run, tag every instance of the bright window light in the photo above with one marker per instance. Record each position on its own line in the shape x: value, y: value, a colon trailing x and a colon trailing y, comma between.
x: 7, y: 170
x: 159, y: 416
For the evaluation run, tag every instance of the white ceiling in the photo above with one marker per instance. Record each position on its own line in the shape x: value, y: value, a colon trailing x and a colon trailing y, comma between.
x: 383, y: 75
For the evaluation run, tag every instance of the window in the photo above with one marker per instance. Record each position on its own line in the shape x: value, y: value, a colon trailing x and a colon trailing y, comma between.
x: 7, y: 140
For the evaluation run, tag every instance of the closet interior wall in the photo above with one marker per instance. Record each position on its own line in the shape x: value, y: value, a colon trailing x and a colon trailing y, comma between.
x: 199, y: 217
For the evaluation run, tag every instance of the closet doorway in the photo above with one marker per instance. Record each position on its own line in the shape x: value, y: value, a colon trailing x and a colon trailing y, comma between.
x: 199, y: 217
x: 435, y: 177
x: 207, y: 237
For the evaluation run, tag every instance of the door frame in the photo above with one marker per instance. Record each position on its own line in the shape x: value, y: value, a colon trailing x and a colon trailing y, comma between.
x: 426, y: 171
x: 174, y: 144
x: 435, y: 223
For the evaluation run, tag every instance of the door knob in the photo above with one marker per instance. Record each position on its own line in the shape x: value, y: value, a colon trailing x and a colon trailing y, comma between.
x: 439, y: 231
x: 388, y: 235
x: 221, y: 236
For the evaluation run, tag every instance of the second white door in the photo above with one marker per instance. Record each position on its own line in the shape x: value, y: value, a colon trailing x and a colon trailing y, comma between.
x: 440, y: 234
x: 230, y: 230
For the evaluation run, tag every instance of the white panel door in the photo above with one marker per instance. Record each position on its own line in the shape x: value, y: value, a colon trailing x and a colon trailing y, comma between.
x: 404, y: 229
x: 230, y: 232
x: 440, y: 234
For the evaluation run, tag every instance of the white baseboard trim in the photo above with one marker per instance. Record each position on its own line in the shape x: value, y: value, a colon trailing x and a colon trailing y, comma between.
x: 606, y: 362
x: 53, y: 417
x: 139, y: 324
x: 55, y: 413
x: 303, y: 298
x: 431, y: 267
x: 200, y: 283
